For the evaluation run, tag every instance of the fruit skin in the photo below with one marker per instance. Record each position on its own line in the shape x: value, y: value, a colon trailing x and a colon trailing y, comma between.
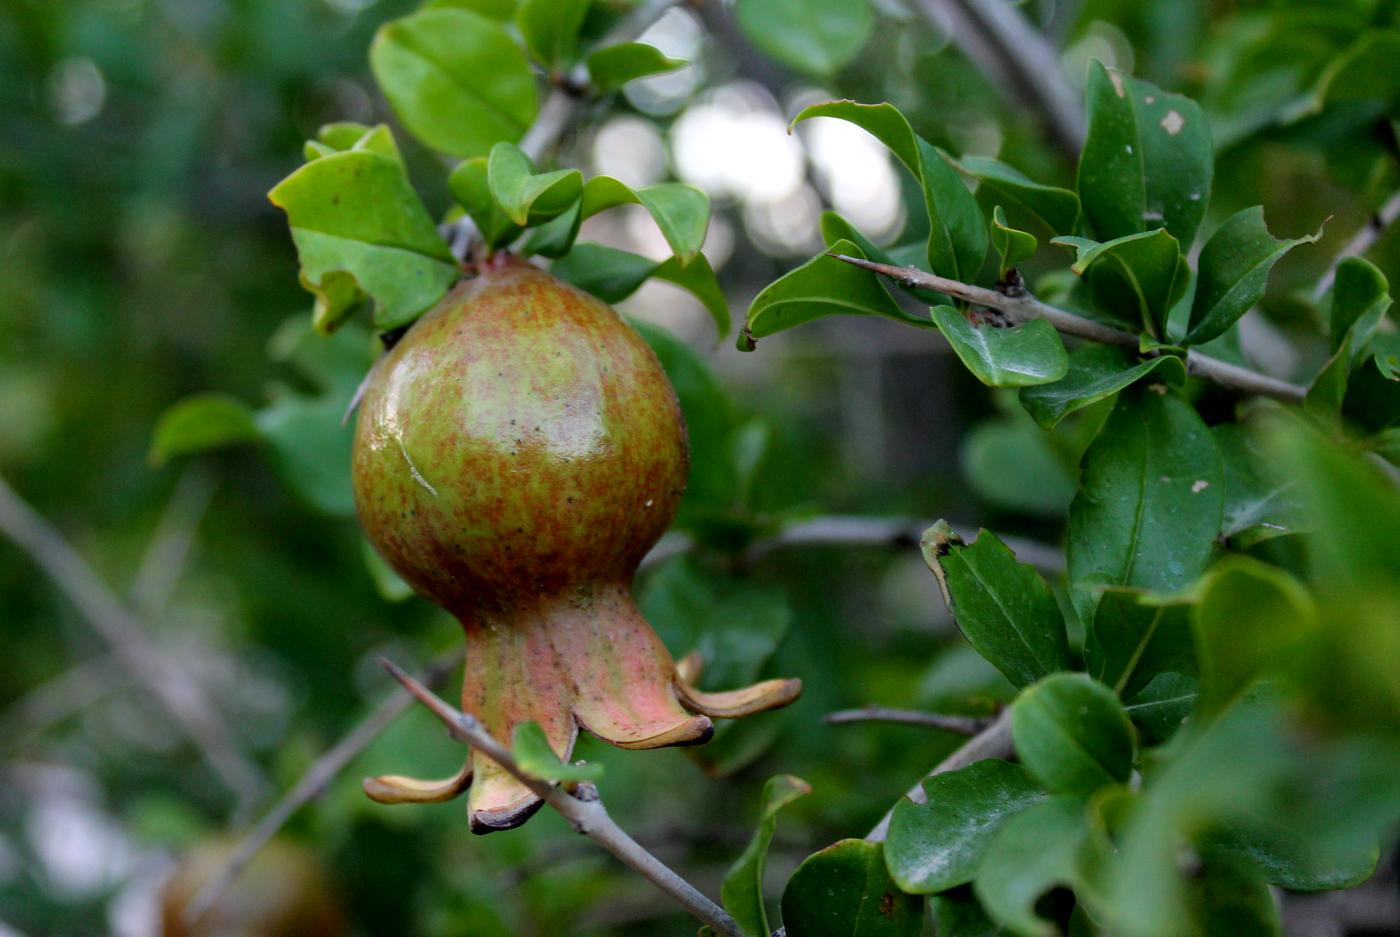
x: 516, y: 454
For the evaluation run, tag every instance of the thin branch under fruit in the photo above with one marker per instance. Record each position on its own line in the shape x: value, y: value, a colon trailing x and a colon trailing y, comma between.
x: 1024, y: 307
x: 311, y: 785
x: 583, y: 809
x: 958, y: 725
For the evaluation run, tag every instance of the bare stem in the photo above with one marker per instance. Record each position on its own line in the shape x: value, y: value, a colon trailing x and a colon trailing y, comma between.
x: 1024, y: 307
x: 154, y: 670
x: 992, y: 742
x: 958, y: 725
x: 1361, y: 242
x: 584, y: 810
x: 311, y: 785
x: 1011, y: 51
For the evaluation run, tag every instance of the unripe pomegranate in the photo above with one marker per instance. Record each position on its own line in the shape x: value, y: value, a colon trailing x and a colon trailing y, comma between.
x: 517, y: 453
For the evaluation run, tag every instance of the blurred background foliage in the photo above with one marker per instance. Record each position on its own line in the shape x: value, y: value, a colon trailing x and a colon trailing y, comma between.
x: 140, y: 262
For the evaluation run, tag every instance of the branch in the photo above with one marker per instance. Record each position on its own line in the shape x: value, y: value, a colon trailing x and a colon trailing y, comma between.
x: 582, y: 809
x: 889, y: 532
x: 165, y: 557
x: 310, y: 786
x: 959, y: 725
x: 992, y: 742
x: 181, y: 697
x: 1025, y: 307
x: 1005, y: 45
x: 562, y: 106
x: 1361, y: 242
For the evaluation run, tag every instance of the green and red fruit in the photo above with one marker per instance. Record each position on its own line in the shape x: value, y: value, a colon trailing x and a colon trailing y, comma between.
x: 517, y: 454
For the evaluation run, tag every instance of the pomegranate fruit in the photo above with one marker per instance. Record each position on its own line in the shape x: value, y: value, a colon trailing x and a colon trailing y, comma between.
x: 516, y: 455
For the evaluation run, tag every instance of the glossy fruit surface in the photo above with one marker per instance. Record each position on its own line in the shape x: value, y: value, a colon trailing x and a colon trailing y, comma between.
x: 516, y: 455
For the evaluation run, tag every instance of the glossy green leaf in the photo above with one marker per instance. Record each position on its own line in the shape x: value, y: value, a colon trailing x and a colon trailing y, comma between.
x: 1163, y: 706
x: 1292, y: 859
x: 1258, y: 505
x: 201, y: 422
x: 1023, y: 355
x: 823, y: 286
x: 455, y: 78
x: 937, y: 845
x: 524, y: 195
x: 536, y: 758
x: 556, y: 237
x: 355, y: 216
x: 612, y: 275
x: 1233, y: 272
x: 1072, y: 734
x: 681, y: 211
x: 613, y: 66
x: 346, y: 135
x: 835, y: 228
x: 1055, y: 208
x: 742, y: 890
x: 1249, y: 614
x: 845, y: 891
x: 1094, y: 373
x: 1360, y: 297
x: 550, y: 29
x: 1037, y: 851
x: 1003, y: 608
x: 817, y: 37
x: 1150, y: 501
x: 1011, y: 244
x: 1147, y: 161
x: 1134, y: 637
x: 310, y: 447
x: 471, y: 188
x: 1136, y: 278
x: 958, y: 237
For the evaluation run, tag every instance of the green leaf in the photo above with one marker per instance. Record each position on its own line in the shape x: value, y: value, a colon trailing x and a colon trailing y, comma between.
x: 524, y: 195
x: 496, y: 9
x: 958, y: 238
x: 310, y: 447
x: 1229, y: 897
x: 681, y: 211
x: 346, y: 135
x: 390, y: 586
x: 612, y: 275
x: 845, y: 891
x: 1292, y: 859
x: 1003, y: 608
x: 1365, y: 70
x: 1360, y: 297
x: 1072, y: 734
x: 1012, y: 245
x: 550, y: 29
x: 1134, y: 637
x: 823, y: 286
x: 1258, y: 505
x: 742, y: 890
x: 1055, y: 208
x: 1037, y: 851
x: 958, y: 912
x: 1014, y: 466
x: 1094, y: 373
x: 534, y: 757
x: 835, y: 228
x: 1250, y: 614
x: 612, y: 67
x: 1233, y: 272
x: 455, y: 78
x: 555, y: 237
x: 1164, y: 705
x: 201, y: 422
x: 1020, y: 356
x: 939, y: 844
x: 1136, y: 278
x: 817, y: 37
x: 355, y: 216
x: 1147, y: 161
x: 471, y: 187
x: 1150, y: 500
